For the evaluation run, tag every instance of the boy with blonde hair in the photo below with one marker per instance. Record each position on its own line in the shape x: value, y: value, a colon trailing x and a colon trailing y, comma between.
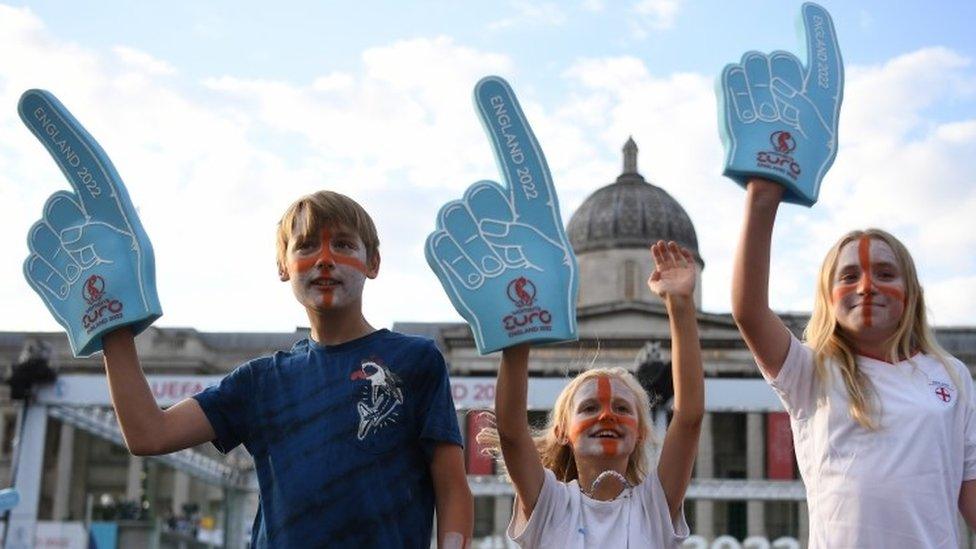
x: 353, y: 431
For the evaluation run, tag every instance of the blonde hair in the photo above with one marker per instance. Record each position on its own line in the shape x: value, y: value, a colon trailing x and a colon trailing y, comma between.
x: 311, y: 213
x: 556, y: 452
x: 828, y: 340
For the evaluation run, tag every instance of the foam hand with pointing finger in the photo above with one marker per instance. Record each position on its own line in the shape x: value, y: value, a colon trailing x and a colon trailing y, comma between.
x: 90, y: 259
x: 778, y: 118
x: 501, y: 251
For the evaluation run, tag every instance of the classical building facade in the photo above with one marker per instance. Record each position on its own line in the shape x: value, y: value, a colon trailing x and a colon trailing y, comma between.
x: 745, y: 476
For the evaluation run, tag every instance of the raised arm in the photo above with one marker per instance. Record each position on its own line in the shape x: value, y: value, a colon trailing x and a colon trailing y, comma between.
x: 674, y: 281
x: 763, y: 331
x: 518, y: 448
x: 148, y: 430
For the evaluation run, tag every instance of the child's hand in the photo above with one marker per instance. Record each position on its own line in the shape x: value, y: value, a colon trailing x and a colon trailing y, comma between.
x: 674, y: 270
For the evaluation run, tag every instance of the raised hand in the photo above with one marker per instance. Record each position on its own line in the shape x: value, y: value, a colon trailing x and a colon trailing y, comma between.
x: 90, y: 259
x: 779, y: 117
x: 501, y: 251
x: 674, y: 270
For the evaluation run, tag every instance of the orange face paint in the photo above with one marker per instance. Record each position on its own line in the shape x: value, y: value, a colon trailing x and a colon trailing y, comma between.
x: 864, y: 255
x: 326, y: 256
x: 605, y: 417
x: 866, y: 282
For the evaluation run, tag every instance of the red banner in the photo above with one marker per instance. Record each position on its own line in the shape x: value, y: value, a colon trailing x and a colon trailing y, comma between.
x: 779, y: 447
x: 477, y: 462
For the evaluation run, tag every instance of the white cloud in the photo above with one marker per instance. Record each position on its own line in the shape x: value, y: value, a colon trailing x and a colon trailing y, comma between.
x: 212, y: 164
x: 653, y: 15
x: 593, y: 5
x: 898, y: 168
x: 533, y: 14
x: 143, y: 62
x: 952, y: 301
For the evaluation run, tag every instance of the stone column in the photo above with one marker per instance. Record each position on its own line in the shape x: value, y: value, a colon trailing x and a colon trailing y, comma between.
x: 133, y: 483
x: 705, y: 469
x: 151, y: 492
x: 235, y: 521
x: 3, y: 426
x: 503, y: 513
x: 181, y: 491
x: 804, y: 533
x: 78, y: 495
x: 62, y: 484
x: 23, y: 517
x: 755, y: 470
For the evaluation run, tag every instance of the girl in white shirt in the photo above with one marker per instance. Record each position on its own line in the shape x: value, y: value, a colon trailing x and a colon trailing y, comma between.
x: 585, y: 480
x: 882, y: 418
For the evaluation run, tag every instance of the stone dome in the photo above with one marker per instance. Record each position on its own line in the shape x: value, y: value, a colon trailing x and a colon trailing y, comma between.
x: 630, y: 213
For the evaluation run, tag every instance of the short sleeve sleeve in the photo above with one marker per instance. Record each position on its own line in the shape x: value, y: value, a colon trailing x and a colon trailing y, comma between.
x: 552, y: 497
x: 436, y: 413
x: 969, y: 459
x: 225, y: 406
x: 656, y: 507
x: 795, y: 383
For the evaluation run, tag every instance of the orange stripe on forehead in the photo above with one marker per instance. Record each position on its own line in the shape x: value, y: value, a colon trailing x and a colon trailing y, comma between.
x: 606, y: 416
x: 325, y: 254
x: 604, y: 392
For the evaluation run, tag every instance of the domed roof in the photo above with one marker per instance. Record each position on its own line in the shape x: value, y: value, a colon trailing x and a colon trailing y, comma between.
x: 630, y: 213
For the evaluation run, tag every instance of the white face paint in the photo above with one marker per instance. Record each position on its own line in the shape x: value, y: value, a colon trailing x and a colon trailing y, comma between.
x: 328, y: 270
x: 604, y: 421
x: 868, y: 290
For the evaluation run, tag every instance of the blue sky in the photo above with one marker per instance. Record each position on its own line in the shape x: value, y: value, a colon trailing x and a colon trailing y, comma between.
x: 219, y: 114
x: 298, y: 40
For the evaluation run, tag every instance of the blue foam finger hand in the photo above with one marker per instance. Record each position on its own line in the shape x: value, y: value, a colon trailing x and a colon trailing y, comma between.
x: 525, y: 289
x: 519, y: 157
x: 459, y: 222
x: 90, y: 259
x: 778, y: 118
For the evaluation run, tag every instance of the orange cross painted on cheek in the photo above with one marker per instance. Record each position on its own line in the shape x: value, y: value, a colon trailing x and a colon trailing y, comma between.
x: 604, y: 395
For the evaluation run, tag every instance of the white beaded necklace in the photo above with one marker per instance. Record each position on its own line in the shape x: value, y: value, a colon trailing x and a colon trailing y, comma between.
x: 605, y: 475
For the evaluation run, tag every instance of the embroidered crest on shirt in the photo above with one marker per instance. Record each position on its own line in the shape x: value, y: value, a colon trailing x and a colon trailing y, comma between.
x: 381, y: 399
x: 942, y: 391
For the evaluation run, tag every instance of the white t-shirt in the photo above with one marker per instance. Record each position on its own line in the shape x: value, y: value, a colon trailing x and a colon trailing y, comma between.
x: 565, y: 517
x: 894, y: 487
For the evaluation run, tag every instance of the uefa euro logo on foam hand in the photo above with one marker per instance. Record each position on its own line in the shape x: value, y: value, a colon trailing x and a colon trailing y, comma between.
x: 501, y: 251
x: 778, y: 118
x: 90, y: 259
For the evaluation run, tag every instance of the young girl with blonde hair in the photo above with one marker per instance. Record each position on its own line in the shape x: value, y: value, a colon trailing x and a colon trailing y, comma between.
x: 882, y: 417
x: 587, y: 480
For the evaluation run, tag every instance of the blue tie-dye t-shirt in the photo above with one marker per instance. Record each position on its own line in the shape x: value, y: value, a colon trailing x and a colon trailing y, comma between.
x: 341, y: 437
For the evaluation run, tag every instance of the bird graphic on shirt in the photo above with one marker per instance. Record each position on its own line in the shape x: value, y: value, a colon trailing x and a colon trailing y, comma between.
x: 384, y: 396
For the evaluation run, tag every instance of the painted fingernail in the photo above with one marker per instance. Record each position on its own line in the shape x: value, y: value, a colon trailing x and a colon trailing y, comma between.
x: 70, y: 235
x: 491, y: 264
x: 782, y: 88
x: 493, y: 228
